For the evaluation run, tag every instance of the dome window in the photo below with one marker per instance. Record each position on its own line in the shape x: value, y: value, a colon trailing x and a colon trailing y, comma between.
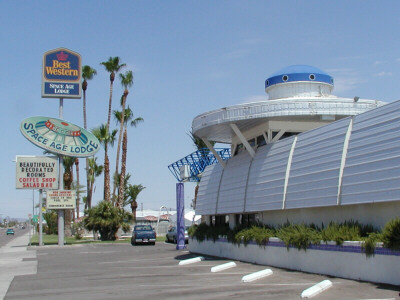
x: 267, y: 82
x: 285, y: 78
x: 312, y: 77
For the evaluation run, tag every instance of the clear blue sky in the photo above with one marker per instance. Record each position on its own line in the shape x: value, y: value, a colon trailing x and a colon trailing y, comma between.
x: 188, y: 57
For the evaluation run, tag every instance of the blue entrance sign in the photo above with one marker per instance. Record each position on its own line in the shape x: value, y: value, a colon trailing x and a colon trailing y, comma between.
x: 61, y: 74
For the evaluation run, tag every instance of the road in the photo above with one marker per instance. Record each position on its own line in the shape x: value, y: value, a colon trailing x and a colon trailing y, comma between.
x: 4, y: 239
x: 121, y: 271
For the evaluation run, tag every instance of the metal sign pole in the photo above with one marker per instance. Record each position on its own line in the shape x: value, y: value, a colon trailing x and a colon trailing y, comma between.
x: 180, y: 217
x: 60, y: 187
x: 40, y: 217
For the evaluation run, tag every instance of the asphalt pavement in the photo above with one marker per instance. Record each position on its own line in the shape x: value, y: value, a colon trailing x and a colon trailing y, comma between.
x: 15, y: 259
x: 122, y: 271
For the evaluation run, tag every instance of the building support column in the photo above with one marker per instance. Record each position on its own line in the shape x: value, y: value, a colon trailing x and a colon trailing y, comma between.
x: 243, y: 140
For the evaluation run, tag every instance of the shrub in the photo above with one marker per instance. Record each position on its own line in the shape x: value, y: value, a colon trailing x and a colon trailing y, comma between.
x: 106, y: 219
x: 300, y: 236
x: 259, y: 234
x: 391, y: 234
x: 369, y: 244
x: 78, y: 229
x: 340, y: 233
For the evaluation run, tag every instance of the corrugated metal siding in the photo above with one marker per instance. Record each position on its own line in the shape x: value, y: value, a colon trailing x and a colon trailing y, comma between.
x: 233, y: 184
x: 267, y: 177
x: 208, y: 190
x: 314, y: 173
x: 372, y: 170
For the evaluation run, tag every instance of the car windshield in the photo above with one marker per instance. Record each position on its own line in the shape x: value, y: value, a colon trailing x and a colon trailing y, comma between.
x: 143, y: 228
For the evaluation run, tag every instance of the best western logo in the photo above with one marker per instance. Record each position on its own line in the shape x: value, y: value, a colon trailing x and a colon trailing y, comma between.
x: 61, y: 68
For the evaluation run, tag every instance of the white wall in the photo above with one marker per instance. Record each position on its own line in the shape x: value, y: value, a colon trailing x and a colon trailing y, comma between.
x: 379, y: 268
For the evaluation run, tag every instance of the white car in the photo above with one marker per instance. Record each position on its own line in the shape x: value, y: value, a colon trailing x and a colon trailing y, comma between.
x: 172, y: 235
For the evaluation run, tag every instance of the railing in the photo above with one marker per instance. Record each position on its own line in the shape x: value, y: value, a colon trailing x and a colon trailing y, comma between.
x: 197, y: 162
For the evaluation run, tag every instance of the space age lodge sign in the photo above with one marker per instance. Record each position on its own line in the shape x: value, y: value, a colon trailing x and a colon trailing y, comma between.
x: 61, y: 76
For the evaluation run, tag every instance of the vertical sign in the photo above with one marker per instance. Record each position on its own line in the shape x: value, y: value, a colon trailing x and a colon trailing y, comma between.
x: 61, y: 77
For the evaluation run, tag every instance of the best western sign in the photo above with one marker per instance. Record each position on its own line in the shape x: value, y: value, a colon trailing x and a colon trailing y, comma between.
x: 61, y: 74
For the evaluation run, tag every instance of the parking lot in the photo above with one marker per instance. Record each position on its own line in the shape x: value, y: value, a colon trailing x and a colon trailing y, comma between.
x: 121, y: 271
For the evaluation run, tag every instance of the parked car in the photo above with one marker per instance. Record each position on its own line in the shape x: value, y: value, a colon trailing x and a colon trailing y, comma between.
x: 10, y: 231
x: 172, y: 235
x: 143, y: 234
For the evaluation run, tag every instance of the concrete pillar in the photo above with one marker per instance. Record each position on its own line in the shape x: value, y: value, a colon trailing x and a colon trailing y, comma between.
x: 232, y: 221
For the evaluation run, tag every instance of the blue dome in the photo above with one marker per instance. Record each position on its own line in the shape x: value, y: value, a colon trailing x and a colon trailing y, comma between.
x: 298, y: 73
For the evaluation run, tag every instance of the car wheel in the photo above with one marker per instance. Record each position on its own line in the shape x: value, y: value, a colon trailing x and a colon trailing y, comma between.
x: 175, y: 241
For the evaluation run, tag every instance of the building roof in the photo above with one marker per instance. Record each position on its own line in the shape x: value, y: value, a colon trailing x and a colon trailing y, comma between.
x: 298, y: 73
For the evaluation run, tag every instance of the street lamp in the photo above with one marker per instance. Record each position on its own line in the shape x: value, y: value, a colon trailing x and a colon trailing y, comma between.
x: 159, y: 214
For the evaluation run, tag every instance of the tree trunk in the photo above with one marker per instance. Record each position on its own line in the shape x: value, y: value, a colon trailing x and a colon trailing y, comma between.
x: 134, y: 207
x: 106, y: 175
x: 112, y: 76
x: 68, y: 212
x: 121, y: 128
x: 84, y: 87
x: 123, y: 169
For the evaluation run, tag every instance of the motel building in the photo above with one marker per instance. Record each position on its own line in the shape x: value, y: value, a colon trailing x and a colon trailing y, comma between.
x: 303, y: 156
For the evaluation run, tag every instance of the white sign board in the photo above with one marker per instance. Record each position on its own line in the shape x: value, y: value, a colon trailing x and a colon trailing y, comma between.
x: 37, y: 172
x: 61, y: 199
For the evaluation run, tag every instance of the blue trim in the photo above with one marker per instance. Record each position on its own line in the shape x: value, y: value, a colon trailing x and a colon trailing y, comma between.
x: 298, y: 73
x: 198, y: 161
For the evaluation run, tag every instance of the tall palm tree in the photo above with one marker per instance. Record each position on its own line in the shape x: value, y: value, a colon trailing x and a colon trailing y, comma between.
x: 133, y: 192
x: 126, y: 81
x: 95, y: 170
x: 87, y: 74
x: 78, y: 189
x: 105, y: 138
x: 68, y: 163
x: 113, y: 67
x: 129, y: 118
x: 76, y: 161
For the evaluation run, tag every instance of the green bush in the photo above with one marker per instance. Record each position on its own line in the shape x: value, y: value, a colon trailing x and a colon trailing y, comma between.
x: 106, y: 219
x: 78, y: 229
x: 369, y: 244
x: 258, y: 234
x: 340, y: 233
x: 301, y: 236
x: 391, y: 234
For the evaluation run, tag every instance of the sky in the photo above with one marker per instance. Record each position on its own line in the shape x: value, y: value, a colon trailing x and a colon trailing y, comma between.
x: 187, y: 57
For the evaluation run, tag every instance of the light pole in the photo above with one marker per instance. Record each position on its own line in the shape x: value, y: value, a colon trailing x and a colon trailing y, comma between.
x: 159, y: 213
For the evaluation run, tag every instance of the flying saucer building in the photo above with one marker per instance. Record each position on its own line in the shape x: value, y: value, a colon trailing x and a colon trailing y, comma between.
x: 303, y: 155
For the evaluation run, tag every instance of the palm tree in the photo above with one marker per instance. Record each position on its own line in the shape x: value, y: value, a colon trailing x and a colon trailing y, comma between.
x: 126, y: 81
x: 133, y: 192
x: 79, y: 189
x: 68, y: 163
x: 113, y: 67
x: 95, y: 170
x: 129, y: 118
x: 87, y: 74
x: 105, y: 138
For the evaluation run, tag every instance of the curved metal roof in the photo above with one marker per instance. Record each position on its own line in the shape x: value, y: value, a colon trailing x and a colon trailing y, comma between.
x: 215, y: 125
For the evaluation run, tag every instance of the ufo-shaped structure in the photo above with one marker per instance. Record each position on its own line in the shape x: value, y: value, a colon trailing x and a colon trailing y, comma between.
x: 300, y: 99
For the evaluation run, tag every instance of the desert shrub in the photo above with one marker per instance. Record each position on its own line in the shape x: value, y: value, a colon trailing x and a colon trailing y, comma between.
x: 259, y: 234
x: 391, y: 234
x: 369, y: 244
x: 106, y: 219
x: 340, y: 233
x: 301, y: 236
x: 78, y: 229
x: 51, y: 220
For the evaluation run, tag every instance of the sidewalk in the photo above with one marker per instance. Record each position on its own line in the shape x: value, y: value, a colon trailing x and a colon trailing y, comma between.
x: 12, y: 262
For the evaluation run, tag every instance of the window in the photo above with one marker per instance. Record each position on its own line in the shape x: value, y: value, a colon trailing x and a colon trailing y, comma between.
x: 260, y: 140
x: 285, y: 78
